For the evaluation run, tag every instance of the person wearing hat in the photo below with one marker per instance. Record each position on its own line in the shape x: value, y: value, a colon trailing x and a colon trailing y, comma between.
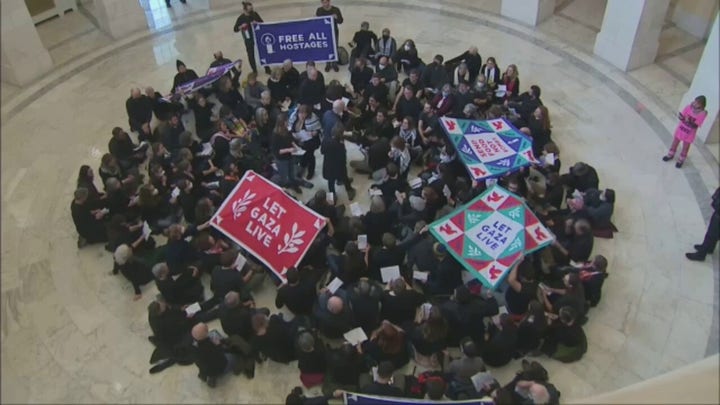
x: 363, y: 44
x: 326, y: 9
x: 183, y: 75
x: 244, y: 24
x: 691, y: 118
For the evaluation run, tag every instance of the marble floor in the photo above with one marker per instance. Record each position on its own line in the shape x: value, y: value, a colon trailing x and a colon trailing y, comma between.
x: 70, y: 331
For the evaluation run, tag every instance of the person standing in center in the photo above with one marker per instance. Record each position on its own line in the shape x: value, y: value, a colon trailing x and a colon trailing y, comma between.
x: 244, y: 24
x: 324, y: 10
x: 335, y: 160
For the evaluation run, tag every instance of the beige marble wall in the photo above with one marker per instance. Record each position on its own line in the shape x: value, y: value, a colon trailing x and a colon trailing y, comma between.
x: 24, y: 58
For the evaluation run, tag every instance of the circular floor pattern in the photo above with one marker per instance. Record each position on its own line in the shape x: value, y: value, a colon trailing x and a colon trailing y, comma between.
x: 71, y: 333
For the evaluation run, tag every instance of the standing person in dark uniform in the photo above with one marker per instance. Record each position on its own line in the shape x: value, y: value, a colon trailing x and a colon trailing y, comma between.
x: 324, y: 10
x: 244, y: 24
x: 711, y: 235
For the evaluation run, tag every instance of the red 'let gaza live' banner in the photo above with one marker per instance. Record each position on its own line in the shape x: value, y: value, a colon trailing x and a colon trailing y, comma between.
x: 265, y: 221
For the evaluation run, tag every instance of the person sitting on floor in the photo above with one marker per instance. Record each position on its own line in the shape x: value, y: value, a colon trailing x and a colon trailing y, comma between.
x: 566, y: 340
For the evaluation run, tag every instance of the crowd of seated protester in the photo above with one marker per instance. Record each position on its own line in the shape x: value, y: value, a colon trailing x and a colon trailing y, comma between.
x: 158, y: 194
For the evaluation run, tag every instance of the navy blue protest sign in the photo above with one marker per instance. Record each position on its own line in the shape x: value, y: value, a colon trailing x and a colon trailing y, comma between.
x: 298, y: 40
x: 352, y: 398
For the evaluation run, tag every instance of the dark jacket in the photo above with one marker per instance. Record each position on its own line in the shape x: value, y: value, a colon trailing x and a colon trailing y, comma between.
x: 210, y: 360
x: 335, y: 159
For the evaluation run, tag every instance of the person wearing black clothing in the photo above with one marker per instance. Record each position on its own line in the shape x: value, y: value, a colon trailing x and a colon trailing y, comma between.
x: 463, y: 97
x: 235, y: 315
x: 500, y: 343
x: 290, y: 79
x: 434, y: 76
x: 310, y: 353
x: 408, y: 105
x: 565, y: 340
x: 522, y: 288
x: 184, y: 290
x: 446, y: 276
x: 576, y: 245
x: 312, y: 89
x: 299, y: 293
x: 122, y: 148
x: 472, y: 59
x: 274, y: 337
x: 203, y: 110
x: 386, y: 256
x: 170, y: 324
x: 526, y: 103
x: 360, y: 75
x: 139, y: 109
x: 333, y: 314
x: 581, y: 177
x: 328, y: 10
x: 220, y: 60
x: 464, y: 314
x: 335, y: 160
x: 365, y: 303
x: 532, y: 329
x: 135, y: 270
x: 344, y: 366
x: 211, y: 360
x: 364, y: 42
x: 380, y: 128
x: 183, y: 75
x: 226, y: 278
x: 711, y: 235
x: 383, y: 386
x: 88, y: 220
x: 377, y: 90
x: 400, y: 302
x: 244, y: 23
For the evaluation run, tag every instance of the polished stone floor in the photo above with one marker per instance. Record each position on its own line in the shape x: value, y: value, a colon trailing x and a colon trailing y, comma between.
x: 71, y: 332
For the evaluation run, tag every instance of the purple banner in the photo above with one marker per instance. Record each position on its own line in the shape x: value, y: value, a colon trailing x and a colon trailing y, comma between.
x: 213, y: 74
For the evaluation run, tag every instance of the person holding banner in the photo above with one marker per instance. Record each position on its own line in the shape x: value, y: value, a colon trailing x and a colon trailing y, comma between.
x: 244, y: 23
x: 327, y: 9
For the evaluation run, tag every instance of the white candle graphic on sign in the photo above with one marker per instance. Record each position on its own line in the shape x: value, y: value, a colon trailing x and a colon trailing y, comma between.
x: 268, y: 40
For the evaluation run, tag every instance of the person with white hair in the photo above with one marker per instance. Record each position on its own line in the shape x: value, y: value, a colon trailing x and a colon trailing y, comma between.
x: 472, y: 60
x: 135, y: 270
x: 182, y: 290
x: 211, y: 359
x: 312, y: 89
x: 290, y: 78
x: 139, y: 109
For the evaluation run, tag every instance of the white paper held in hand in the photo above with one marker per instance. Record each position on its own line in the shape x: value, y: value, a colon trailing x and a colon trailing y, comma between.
x: 175, y: 193
x: 146, y: 230
x: 239, y: 262
x: 550, y: 159
x: 355, y: 336
x: 330, y: 197
x: 356, y: 210
x: 375, y: 192
x: 334, y: 285
x: 390, y: 273
x: 481, y: 380
x: 193, y: 309
x: 420, y: 275
x: 415, y: 183
x: 362, y: 242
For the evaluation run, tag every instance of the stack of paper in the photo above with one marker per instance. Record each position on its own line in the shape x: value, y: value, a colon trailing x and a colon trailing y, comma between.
x: 146, y: 230
x: 482, y: 380
x: 362, y: 242
x: 334, y: 285
x: 375, y: 192
x: 207, y: 150
x: 356, y: 210
x: 355, y: 336
x: 420, y: 275
x: 390, y: 273
x: 193, y: 309
x: 239, y: 262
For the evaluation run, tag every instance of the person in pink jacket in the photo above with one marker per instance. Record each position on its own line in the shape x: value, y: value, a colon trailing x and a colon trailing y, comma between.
x: 691, y: 117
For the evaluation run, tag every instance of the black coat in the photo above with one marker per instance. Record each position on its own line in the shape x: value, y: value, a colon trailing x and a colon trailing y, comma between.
x: 335, y: 161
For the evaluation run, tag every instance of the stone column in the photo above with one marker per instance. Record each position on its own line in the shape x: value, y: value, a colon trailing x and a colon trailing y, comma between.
x: 24, y: 57
x: 630, y: 32
x: 119, y: 18
x: 531, y: 12
x: 706, y: 83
